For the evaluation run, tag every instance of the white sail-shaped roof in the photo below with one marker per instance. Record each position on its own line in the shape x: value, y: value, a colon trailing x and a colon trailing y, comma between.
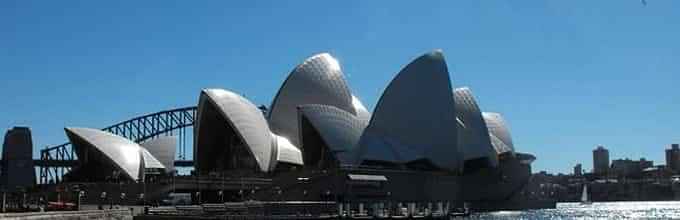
x: 241, y: 116
x: 498, y: 145
x: 473, y: 139
x: 287, y: 152
x: 150, y: 162
x: 318, y: 80
x: 164, y: 149
x: 362, y: 112
x: 499, y: 128
x: 119, y: 152
x: 339, y: 129
x: 417, y: 111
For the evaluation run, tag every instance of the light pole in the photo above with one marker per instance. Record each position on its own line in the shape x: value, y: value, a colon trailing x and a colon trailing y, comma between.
x: 102, y: 198
x: 174, y: 173
x: 144, y: 193
x: 80, y: 196
x: 122, y: 198
x: 240, y: 192
x: 198, y: 183
x: 198, y: 195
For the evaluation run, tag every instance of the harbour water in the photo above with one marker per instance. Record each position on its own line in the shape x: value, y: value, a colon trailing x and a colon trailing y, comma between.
x: 597, y: 210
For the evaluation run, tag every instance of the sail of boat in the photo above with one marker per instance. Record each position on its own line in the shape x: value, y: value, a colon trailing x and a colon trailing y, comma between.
x: 584, y: 195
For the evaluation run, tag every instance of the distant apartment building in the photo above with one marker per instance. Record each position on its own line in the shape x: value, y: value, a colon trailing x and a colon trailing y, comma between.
x: 17, y: 160
x: 630, y: 168
x: 673, y: 157
x: 578, y: 170
x: 600, y: 160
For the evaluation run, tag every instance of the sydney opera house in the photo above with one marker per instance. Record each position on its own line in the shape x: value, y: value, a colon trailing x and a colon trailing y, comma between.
x: 424, y: 141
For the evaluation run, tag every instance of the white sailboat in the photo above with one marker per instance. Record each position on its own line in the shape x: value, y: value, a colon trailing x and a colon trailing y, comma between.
x: 584, y: 196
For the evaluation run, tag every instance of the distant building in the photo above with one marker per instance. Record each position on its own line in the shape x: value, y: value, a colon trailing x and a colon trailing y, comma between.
x: 643, y: 164
x: 600, y: 160
x: 630, y: 168
x: 17, y: 158
x: 578, y: 170
x: 673, y: 157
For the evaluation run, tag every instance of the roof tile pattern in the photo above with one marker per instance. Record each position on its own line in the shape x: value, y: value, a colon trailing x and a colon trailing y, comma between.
x: 318, y: 80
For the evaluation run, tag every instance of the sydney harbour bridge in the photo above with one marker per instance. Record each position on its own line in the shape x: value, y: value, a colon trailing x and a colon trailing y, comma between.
x: 55, y: 161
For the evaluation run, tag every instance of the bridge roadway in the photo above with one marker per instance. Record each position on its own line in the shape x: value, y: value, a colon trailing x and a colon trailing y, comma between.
x: 72, y: 163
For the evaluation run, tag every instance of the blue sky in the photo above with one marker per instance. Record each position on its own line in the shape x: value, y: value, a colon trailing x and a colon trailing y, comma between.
x: 567, y: 75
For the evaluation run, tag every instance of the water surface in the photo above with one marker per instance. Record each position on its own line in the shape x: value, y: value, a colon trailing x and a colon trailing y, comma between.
x: 597, y: 210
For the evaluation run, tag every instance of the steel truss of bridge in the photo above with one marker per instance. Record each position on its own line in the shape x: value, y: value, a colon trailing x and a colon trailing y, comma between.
x: 55, y: 161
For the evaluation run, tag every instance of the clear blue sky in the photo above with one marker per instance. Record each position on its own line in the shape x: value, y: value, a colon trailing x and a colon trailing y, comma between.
x: 567, y: 75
